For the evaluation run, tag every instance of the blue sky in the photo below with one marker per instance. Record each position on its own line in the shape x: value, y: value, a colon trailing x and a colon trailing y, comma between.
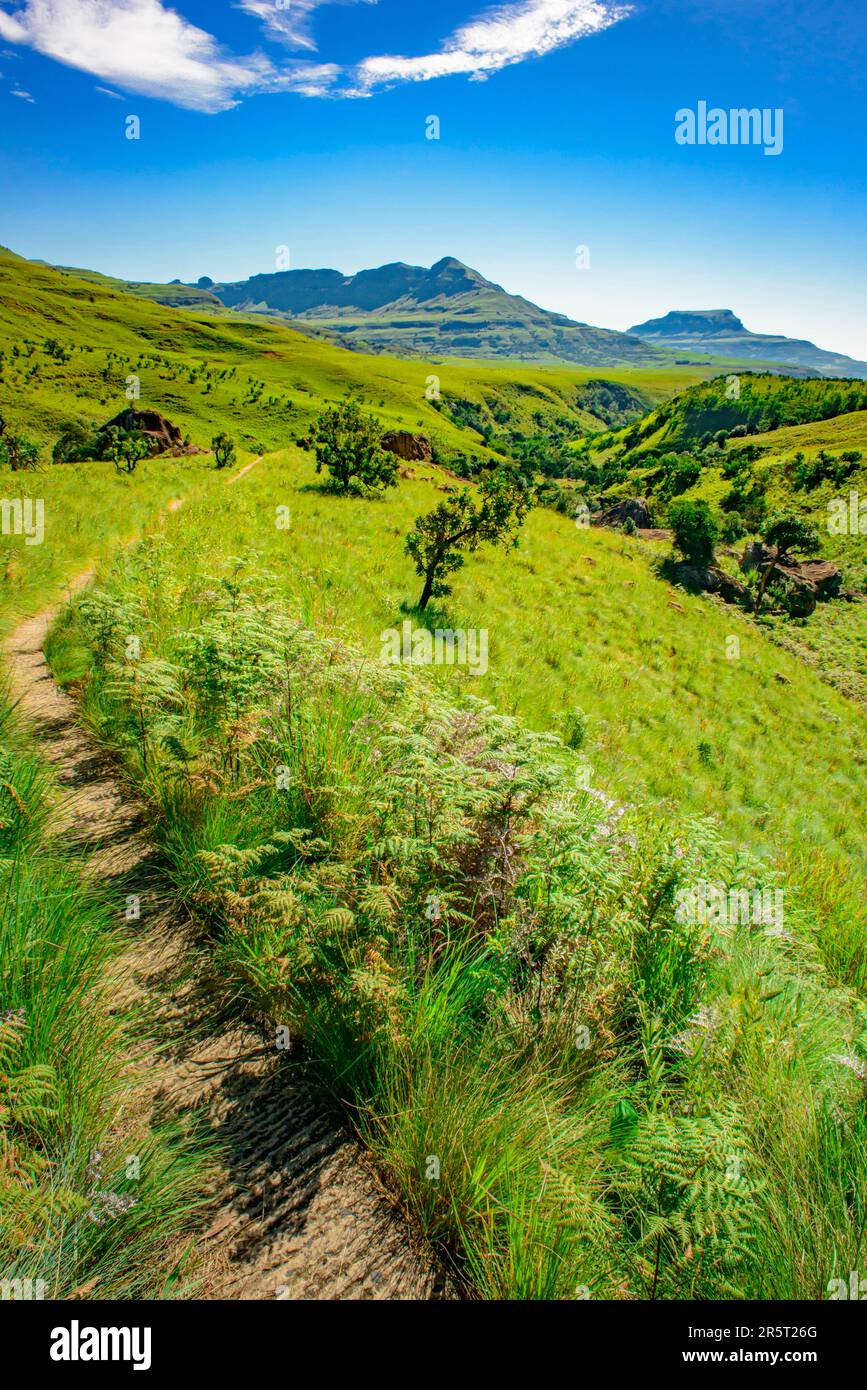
x: 304, y: 125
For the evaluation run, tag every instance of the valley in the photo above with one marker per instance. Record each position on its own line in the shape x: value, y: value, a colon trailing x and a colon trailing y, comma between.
x: 450, y: 892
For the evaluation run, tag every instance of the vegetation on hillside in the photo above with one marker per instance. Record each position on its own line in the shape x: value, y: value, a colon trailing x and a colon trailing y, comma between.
x: 580, y: 1082
x: 572, y: 937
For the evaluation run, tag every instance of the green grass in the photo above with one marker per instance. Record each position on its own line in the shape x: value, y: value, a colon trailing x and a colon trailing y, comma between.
x: 75, y: 1212
x: 577, y: 618
x: 575, y: 1091
x: 620, y: 1103
x: 65, y: 1051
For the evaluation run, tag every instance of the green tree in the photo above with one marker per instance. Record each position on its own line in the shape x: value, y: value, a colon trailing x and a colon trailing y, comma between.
x: 223, y: 446
x: 17, y: 451
x: 348, y: 444
x: 695, y: 530
x: 126, y: 450
x: 459, y: 525
x: 74, y: 445
x: 785, y: 536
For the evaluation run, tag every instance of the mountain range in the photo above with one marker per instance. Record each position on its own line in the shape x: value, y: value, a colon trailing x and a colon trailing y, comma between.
x: 451, y: 310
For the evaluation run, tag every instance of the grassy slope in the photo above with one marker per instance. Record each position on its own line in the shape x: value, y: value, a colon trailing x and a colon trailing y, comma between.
x: 577, y: 618
x: 259, y: 380
x: 834, y: 638
x: 706, y: 1142
x: 669, y: 716
x: 58, y: 937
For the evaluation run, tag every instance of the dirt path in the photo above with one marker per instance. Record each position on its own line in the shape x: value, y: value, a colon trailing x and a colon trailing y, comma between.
x: 296, y: 1212
x: 245, y: 470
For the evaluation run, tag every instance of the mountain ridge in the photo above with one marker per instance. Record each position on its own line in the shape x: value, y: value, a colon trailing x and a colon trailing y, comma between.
x: 447, y: 309
x: 451, y: 310
x: 720, y: 330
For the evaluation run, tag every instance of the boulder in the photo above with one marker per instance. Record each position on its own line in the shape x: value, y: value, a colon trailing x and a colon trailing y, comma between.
x: 820, y: 577
x: 825, y: 578
x: 634, y: 509
x: 755, y: 555
x: 162, y: 436
x: 712, y: 580
x: 412, y: 448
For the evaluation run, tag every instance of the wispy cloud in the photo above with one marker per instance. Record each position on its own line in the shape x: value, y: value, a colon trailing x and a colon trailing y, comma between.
x: 25, y: 96
x: 293, y: 22
x: 143, y: 46
x: 499, y: 37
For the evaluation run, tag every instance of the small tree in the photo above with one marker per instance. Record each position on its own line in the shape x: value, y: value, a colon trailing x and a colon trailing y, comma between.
x: 17, y: 451
x: 223, y: 446
x: 348, y: 444
x: 74, y: 445
x: 695, y: 530
x: 786, y: 536
x: 127, y: 449
x: 461, y: 524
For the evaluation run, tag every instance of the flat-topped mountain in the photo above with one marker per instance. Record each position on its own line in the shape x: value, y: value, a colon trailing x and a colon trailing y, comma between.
x: 721, y: 332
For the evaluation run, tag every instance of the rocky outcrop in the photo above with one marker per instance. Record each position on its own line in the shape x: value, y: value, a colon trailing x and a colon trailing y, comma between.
x: 824, y: 578
x: 818, y: 579
x: 634, y: 509
x: 412, y: 448
x: 163, y: 437
x: 712, y: 580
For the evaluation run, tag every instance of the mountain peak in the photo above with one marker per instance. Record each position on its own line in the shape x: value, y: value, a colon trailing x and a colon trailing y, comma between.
x: 700, y: 323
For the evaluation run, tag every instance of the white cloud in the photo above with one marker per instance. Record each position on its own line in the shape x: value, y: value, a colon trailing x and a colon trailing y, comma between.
x: 292, y: 22
x: 144, y: 47
x: 25, y: 96
x: 496, y: 39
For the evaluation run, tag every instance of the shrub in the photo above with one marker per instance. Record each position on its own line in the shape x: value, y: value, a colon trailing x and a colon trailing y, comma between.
x: 732, y: 527
x: 223, y: 447
x: 440, y: 539
x: 348, y: 444
x: 695, y: 530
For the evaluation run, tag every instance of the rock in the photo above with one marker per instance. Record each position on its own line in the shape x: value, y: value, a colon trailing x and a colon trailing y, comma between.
x: 634, y: 509
x: 412, y: 448
x: 825, y: 578
x: 729, y: 588
x: 653, y: 533
x: 163, y: 437
x: 800, y: 596
x: 713, y: 581
x: 755, y: 555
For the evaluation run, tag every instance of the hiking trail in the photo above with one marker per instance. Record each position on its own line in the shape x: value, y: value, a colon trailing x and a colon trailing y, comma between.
x: 296, y: 1210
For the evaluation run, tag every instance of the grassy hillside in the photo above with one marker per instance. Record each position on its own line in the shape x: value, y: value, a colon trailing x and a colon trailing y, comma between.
x: 177, y: 296
x: 576, y: 1091
x: 72, y: 1215
x: 262, y: 382
x: 771, y: 446
x: 755, y: 402
x: 584, y: 636
x: 465, y: 894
